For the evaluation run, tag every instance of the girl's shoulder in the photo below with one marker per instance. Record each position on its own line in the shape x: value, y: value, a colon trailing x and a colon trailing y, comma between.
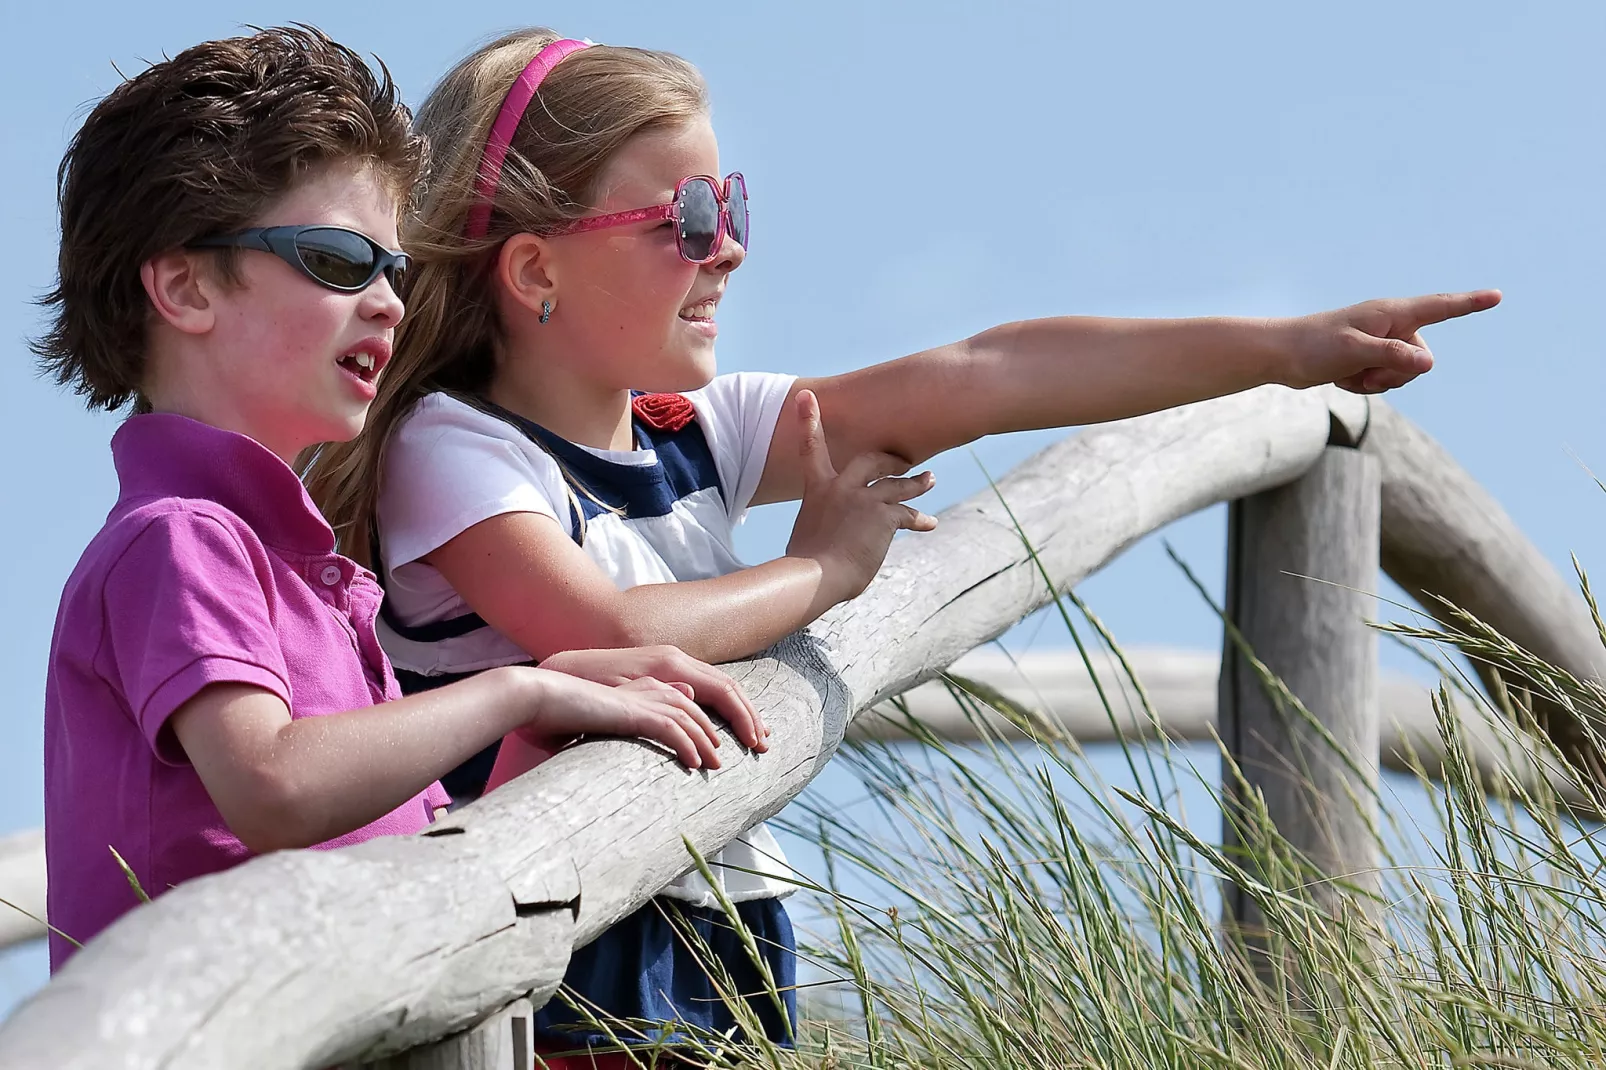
x: 736, y: 391
x: 738, y: 412
x: 446, y: 444
x: 440, y: 412
x: 447, y: 466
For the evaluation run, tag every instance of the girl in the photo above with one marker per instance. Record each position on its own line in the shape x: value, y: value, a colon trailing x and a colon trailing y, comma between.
x: 535, y: 481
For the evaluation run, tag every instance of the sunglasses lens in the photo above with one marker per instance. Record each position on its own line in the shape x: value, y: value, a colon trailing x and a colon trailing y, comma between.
x: 738, y: 210
x: 397, y: 273
x: 337, y: 257
x: 699, y: 219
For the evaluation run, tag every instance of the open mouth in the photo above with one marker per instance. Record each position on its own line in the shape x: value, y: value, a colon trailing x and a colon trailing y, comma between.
x: 365, y: 361
x: 702, y: 312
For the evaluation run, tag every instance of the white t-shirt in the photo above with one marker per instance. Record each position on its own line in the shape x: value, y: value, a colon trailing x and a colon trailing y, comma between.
x: 653, y: 515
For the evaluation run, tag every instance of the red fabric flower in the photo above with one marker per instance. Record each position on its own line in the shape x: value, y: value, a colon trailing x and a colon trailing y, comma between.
x: 665, y: 412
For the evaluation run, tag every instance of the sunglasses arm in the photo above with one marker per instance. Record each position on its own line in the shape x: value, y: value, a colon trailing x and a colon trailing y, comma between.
x: 249, y: 240
x: 616, y: 219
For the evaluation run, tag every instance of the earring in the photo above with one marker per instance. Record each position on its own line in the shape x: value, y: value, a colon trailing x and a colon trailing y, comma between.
x: 546, y: 311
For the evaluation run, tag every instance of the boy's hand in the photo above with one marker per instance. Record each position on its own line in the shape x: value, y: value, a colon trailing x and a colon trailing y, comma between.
x: 1373, y: 346
x: 697, y: 680
x: 645, y: 708
x: 847, y: 519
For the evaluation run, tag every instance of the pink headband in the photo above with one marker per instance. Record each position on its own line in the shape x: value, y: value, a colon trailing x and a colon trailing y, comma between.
x: 500, y: 138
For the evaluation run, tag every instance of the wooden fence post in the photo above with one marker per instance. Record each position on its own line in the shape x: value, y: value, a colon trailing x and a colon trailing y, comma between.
x: 1302, y: 568
x: 504, y: 1041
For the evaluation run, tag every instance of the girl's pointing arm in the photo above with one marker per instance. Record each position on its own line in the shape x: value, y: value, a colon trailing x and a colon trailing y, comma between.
x: 1080, y: 370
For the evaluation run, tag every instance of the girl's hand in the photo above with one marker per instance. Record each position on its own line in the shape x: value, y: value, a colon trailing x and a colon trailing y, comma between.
x: 697, y: 680
x: 847, y: 519
x: 1373, y: 346
x: 645, y: 708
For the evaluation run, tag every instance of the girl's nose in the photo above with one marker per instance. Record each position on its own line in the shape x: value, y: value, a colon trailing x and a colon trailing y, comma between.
x: 731, y: 255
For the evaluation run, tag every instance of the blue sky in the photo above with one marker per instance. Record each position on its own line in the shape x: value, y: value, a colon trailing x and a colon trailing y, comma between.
x: 920, y: 171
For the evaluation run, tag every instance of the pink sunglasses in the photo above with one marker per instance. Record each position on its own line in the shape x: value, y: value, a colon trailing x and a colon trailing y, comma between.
x: 704, y: 209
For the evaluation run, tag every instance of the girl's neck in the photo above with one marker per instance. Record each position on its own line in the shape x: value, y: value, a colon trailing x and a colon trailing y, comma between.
x: 564, y: 403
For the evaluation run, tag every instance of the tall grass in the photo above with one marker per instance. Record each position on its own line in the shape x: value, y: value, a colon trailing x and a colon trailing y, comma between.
x: 1025, y: 912
x: 1005, y: 905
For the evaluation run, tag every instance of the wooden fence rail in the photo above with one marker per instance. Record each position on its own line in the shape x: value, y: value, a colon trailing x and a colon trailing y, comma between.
x: 312, y: 959
x: 22, y: 886
x: 1056, y: 687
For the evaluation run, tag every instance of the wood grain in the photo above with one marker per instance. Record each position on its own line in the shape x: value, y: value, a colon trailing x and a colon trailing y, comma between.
x: 1302, y: 571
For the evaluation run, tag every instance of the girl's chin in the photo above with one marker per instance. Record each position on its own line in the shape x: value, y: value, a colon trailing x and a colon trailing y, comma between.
x: 681, y: 370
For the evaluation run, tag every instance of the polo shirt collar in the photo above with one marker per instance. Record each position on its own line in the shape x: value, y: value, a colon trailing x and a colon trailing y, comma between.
x: 163, y: 455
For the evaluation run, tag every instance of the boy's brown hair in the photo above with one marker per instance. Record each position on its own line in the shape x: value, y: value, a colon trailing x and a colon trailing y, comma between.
x: 200, y: 144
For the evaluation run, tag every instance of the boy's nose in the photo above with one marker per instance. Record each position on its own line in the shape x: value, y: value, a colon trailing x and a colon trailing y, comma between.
x: 381, y: 304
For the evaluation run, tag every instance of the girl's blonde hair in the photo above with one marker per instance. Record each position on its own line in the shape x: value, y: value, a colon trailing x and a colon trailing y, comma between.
x: 587, y: 108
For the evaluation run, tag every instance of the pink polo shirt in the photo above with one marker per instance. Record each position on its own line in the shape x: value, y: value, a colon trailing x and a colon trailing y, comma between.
x: 214, y: 566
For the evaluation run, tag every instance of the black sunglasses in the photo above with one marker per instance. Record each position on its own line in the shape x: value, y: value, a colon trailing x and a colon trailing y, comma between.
x: 335, y: 257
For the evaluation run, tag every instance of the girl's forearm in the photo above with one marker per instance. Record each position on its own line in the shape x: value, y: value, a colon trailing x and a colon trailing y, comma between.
x: 1045, y: 373
x: 1083, y: 370
x: 720, y: 619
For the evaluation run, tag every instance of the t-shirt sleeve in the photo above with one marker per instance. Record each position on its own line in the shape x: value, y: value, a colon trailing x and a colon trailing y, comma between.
x: 186, y: 606
x: 738, y: 413
x: 449, y: 466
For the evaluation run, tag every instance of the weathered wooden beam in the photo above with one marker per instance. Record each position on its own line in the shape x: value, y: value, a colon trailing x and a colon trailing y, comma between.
x: 306, y: 959
x: 1445, y: 535
x: 1302, y: 569
x: 504, y: 1041
x: 22, y: 886
x: 1182, y: 686
x: 1055, y: 686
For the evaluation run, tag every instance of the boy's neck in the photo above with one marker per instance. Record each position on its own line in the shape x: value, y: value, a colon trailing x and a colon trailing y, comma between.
x: 567, y: 405
x: 167, y: 389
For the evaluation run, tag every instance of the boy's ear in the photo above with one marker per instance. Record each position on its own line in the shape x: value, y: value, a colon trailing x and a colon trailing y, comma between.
x: 180, y: 288
x: 526, y: 270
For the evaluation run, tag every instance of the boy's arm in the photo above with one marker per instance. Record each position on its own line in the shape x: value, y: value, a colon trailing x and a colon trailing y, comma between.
x: 206, y: 684
x: 1079, y: 370
x: 282, y: 783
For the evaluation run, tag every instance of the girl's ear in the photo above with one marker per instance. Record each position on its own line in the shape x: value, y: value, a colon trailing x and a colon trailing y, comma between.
x: 526, y: 270
x: 180, y: 289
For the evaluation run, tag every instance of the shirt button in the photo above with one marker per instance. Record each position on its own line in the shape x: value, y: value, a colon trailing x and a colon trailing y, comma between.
x: 330, y: 575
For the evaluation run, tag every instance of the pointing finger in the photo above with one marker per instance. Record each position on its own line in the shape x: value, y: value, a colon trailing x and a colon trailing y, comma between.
x: 1436, y: 308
